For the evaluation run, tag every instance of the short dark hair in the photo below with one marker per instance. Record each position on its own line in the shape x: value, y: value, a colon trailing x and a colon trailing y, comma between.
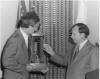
x: 25, y: 19
x: 83, y: 28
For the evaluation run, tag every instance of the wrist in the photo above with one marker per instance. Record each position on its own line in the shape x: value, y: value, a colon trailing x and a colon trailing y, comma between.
x: 52, y: 54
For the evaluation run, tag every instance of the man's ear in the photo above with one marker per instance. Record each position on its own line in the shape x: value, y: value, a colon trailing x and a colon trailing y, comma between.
x: 30, y: 26
x: 83, y: 35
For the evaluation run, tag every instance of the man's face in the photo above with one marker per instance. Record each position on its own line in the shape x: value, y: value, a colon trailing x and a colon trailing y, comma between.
x: 33, y: 27
x: 76, y: 36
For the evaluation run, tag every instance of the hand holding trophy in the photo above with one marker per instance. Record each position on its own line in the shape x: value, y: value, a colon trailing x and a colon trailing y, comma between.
x: 39, y: 67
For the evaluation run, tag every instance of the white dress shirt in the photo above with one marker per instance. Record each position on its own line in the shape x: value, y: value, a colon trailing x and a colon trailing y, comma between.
x: 25, y: 36
x: 82, y: 44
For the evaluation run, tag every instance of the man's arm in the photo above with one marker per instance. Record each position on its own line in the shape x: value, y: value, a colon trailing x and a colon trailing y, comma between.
x: 9, y: 57
x: 59, y: 59
x: 95, y: 58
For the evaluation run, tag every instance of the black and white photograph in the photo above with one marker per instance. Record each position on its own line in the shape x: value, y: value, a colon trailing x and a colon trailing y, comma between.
x: 49, y: 39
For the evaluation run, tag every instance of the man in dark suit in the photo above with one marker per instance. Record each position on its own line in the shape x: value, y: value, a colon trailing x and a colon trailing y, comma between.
x: 84, y: 58
x: 15, y: 55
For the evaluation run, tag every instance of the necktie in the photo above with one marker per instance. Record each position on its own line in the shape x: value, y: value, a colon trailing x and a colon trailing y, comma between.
x: 76, y: 52
x: 29, y: 46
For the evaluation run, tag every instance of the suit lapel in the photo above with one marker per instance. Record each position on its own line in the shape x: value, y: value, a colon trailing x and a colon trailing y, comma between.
x: 22, y: 40
x: 21, y: 37
x: 84, y: 51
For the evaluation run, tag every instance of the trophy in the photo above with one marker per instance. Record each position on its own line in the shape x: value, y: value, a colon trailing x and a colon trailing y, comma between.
x: 37, y: 59
x: 37, y: 48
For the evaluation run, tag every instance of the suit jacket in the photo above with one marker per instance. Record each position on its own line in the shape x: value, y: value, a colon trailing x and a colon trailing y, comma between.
x: 15, y: 57
x: 86, y: 60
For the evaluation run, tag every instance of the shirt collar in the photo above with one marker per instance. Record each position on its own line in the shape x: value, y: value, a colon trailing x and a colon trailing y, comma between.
x: 82, y: 44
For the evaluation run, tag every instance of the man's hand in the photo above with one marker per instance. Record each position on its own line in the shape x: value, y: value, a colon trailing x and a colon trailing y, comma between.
x: 37, y: 67
x: 29, y: 67
x: 48, y: 49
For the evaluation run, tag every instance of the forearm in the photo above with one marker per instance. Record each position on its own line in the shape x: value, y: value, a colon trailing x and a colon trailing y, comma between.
x: 59, y: 59
x: 54, y: 57
x: 11, y: 64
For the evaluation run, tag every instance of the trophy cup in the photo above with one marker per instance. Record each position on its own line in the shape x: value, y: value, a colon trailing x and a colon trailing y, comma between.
x: 37, y: 59
x: 37, y: 48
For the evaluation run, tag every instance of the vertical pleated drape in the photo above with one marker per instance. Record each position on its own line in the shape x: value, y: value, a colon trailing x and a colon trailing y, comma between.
x: 56, y: 19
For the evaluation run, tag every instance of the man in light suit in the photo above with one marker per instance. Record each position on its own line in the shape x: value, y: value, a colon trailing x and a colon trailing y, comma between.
x: 84, y: 60
x: 15, y: 55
